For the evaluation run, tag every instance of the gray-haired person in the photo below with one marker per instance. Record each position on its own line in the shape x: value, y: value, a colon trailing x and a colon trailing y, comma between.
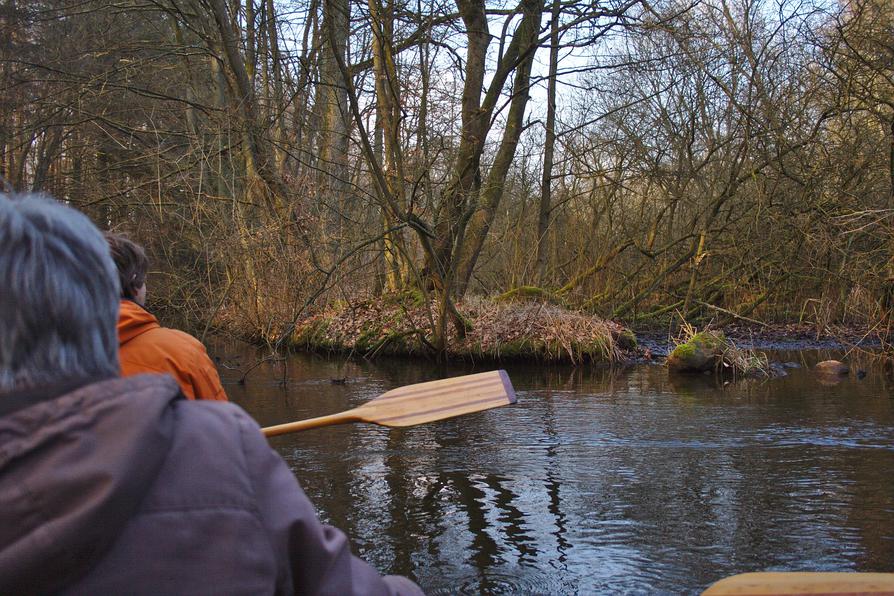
x: 115, y: 485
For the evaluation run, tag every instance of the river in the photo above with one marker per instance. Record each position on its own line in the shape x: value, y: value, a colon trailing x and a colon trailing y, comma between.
x: 598, y: 480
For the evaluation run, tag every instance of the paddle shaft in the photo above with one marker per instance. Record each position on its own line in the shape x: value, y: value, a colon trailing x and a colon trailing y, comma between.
x: 331, y: 419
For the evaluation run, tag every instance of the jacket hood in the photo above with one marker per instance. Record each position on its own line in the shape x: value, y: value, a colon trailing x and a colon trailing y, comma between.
x: 134, y: 320
x: 73, y: 470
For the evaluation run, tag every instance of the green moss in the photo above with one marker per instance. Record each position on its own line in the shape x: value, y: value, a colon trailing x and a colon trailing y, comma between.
x: 551, y: 351
x: 684, y: 351
x: 705, y: 341
x: 314, y: 335
x: 593, y: 303
x: 313, y: 331
x: 523, y: 293
x: 600, y: 349
x: 626, y: 339
x: 411, y: 297
x: 709, y: 340
x: 369, y: 336
x: 514, y: 348
x: 709, y: 349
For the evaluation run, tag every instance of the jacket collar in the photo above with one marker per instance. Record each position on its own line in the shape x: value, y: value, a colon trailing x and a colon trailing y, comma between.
x: 134, y: 320
x: 24, y: 398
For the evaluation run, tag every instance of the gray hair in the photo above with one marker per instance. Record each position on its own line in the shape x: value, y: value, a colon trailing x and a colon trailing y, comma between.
x: 58, y: 296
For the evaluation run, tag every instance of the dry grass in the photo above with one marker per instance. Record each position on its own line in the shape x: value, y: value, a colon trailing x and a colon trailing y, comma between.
x: 498, y: 330
x: 542, y: 331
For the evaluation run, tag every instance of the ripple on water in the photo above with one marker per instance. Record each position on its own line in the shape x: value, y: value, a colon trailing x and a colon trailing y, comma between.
x: 856, y: 435
x: 597, y: 483
x: 522, y: 581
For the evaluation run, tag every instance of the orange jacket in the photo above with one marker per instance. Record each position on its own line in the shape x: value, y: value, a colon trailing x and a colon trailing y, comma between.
x: 146, y: 346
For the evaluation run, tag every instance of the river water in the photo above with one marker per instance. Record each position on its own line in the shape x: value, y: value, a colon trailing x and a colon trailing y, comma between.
x: 598, y: 480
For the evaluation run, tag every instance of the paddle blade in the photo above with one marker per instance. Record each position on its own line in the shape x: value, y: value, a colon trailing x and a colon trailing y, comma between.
x: 795, y: 583
x: 437, y: 400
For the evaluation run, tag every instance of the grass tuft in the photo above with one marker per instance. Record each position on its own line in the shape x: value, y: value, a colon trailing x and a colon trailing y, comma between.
x: 495, y: 329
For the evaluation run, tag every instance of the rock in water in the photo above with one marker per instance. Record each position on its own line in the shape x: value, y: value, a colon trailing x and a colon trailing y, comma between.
x: 777, y: 370
x: 832, y: 367
x: 700, y: 353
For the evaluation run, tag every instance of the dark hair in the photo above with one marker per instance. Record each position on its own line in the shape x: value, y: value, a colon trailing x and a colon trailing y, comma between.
x: 131, y: 261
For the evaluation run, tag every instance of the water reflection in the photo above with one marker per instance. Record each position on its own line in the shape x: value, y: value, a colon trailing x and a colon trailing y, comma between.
x: 598, y: 480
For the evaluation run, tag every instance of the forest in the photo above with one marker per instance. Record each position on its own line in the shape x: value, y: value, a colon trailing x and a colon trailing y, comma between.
x: 635, y: 160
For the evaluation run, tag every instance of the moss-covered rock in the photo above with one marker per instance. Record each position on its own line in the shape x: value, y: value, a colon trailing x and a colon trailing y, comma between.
x: 626, y: 339
x: 832, y: 368
x: 710, y: 350
x: 702, y: 352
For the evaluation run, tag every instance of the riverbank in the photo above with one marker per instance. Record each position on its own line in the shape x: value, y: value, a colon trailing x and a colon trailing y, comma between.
x: 506, y: 330
x: 775, y: 337
x: 496, y: 330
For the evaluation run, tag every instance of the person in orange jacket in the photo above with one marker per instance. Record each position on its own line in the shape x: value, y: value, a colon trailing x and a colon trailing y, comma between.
x: 146, y: 346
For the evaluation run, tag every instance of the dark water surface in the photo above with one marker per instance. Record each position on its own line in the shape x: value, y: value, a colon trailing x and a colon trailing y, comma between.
x: 597, y: 481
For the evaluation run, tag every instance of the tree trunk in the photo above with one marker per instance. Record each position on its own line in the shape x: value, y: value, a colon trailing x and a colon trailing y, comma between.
x: 49, y: 150
x: 258, y: 158
x: 250, y: 41
x: 333, y: 139
x: 492, y: 191
x: 466, y: 178
x: 279, y: 106
x: 388, y: 117
x: 549, y: 144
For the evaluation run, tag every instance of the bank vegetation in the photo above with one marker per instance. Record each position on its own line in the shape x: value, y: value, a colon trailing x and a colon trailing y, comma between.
x: 622, y: 159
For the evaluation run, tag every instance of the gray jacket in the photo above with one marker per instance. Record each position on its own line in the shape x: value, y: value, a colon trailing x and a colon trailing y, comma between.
x: 123, y: 487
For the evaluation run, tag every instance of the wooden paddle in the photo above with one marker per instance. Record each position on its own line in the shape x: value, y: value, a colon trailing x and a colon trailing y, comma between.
x: 804, y: 584
x: 419, y: 403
